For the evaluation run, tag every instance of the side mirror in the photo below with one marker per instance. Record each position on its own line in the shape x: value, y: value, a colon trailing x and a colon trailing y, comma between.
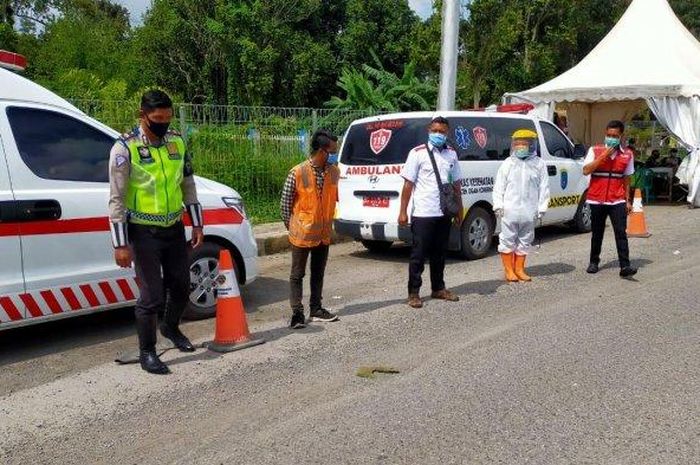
x: 579, y: 151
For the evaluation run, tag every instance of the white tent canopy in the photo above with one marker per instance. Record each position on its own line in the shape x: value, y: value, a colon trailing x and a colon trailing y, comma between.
x: 648, y: 58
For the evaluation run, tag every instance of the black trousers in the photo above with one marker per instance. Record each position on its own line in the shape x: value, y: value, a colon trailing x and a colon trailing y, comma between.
x: 618, y: 218
x: 430, y: 240
x: 300, y: 256
x: 160, y: 260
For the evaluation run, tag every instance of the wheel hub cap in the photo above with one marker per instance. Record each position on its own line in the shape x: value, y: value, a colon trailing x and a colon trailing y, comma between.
x: 203, y: 275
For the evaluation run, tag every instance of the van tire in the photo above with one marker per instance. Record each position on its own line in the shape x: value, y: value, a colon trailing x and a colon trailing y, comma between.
x: 204, y: 258
x: 377, y: 247
x: 582, y: 221
x: 477, y: 234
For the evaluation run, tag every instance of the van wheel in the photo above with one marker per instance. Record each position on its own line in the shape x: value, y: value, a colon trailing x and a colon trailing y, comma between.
x: 477, y: 234
x: 377, y: 246
x: 582, y: 221
x: 204, y: 268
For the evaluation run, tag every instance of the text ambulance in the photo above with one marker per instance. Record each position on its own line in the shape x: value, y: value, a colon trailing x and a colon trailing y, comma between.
x: 56, y: 257
x: 375, y: 149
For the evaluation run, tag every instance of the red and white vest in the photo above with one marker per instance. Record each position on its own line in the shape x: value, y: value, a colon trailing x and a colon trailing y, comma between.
x: 608, y: 181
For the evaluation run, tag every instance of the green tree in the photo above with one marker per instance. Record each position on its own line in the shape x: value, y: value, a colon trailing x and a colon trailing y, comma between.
x: 280, y: 52
x: 520, y: 43
x: 375, y: 89
x: 272, y: 52
x: 77, y: 40
x: 385, y: 26
x: 180, y: 45
x: 689, y: 13
x: 426, y: 43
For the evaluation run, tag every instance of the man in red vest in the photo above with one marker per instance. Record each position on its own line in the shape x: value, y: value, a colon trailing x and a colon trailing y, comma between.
x: 610, y: 167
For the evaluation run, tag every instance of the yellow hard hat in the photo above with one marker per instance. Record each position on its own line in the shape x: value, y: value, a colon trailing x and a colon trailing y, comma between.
x: 524, y: 134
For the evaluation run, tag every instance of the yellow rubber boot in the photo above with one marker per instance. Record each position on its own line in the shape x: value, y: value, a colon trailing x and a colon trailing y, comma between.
x: 507, y: 259
x: 520, y: 268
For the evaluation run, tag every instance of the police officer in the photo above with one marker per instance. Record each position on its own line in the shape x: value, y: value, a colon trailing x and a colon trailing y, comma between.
x: 151, y: 177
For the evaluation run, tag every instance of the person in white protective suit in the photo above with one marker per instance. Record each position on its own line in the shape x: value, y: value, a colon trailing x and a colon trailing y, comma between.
x: 520, y: 199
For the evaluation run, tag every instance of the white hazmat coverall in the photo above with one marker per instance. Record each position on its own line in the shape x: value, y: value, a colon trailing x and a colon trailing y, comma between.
x: 522, y: 193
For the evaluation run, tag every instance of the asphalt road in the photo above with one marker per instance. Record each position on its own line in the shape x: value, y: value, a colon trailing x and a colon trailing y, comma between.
x: 571, y: 368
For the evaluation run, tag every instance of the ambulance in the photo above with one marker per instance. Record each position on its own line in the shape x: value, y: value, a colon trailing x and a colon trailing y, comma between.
x: 374, y: 150
x: 56, y: 256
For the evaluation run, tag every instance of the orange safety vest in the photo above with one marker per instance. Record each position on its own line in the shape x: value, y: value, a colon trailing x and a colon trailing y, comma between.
x: 312, y: 213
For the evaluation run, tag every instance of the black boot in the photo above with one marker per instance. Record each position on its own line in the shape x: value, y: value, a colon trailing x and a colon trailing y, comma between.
x: 175, y: 335
x: 170, y: 326
x: 148, y: 357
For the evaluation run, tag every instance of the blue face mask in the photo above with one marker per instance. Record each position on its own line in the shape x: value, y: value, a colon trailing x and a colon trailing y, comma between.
x: 437, y: 140
x: 332, y: 158
x: 522, y: 153
x: 612, y: 142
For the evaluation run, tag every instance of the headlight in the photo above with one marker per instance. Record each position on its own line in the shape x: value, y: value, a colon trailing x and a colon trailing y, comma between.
x: 235, y: 202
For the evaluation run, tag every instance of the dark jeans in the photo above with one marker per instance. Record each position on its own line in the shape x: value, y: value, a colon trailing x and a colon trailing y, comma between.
x: 160, y: 259
x: 618, y: 218
x: 430, y: 239
x: 319, y: 258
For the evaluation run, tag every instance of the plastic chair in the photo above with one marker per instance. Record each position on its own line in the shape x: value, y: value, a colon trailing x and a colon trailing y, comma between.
x: 646, y: 184
x: 636, y: 180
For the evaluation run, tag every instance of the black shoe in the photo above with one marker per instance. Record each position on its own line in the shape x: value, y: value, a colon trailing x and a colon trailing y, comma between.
x: 324, y: 316
x: 298, y: 320
x: 152, y: 364
x: 592, y: 268
x: 179, y: 339
x: 628, y: 272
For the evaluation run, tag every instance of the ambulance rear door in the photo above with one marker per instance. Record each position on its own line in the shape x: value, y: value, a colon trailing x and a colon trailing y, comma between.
x: 11, y: 275
x: 373, y: 154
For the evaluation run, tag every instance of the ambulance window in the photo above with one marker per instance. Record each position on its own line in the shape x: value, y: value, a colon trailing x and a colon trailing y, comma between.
x: 56, y: 146
x: 557, y: 144
x: 383, y: 142
x: 485, y: 138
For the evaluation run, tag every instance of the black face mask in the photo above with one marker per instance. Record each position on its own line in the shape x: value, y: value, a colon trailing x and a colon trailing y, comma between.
x: 158, y: 129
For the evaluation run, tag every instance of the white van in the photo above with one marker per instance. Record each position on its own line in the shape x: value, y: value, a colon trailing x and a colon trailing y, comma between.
x: 56, y: 257
x: 375, y: 149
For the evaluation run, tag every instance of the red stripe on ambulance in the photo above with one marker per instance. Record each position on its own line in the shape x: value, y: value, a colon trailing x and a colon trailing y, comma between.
x: 30, y: 303
x: 51, y: 301
x: 126, y: 289
x: 70, y: 297
x: 101, y: 224
x: 108, y: 292
x: 10, y: 308
x: 90, y: 295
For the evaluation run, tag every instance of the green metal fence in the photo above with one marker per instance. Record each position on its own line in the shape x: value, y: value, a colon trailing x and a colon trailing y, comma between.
x: 248, y: 148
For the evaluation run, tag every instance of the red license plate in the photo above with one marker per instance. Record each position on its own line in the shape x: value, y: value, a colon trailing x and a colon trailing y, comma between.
x: 375, y: 202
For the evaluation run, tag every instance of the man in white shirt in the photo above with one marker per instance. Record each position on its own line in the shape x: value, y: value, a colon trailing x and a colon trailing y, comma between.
x: 429, y: 224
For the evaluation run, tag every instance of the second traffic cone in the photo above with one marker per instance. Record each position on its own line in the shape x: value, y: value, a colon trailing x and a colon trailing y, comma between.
x: 231, y: 323
x: 636, y: 223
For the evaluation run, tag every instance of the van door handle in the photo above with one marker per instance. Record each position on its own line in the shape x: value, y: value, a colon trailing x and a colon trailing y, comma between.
x: 38, y: 210
x: 551, y: 170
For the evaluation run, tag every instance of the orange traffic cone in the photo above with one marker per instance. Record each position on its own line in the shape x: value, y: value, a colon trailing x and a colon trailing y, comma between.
x: 636, y: 224
x: 231, y: 323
